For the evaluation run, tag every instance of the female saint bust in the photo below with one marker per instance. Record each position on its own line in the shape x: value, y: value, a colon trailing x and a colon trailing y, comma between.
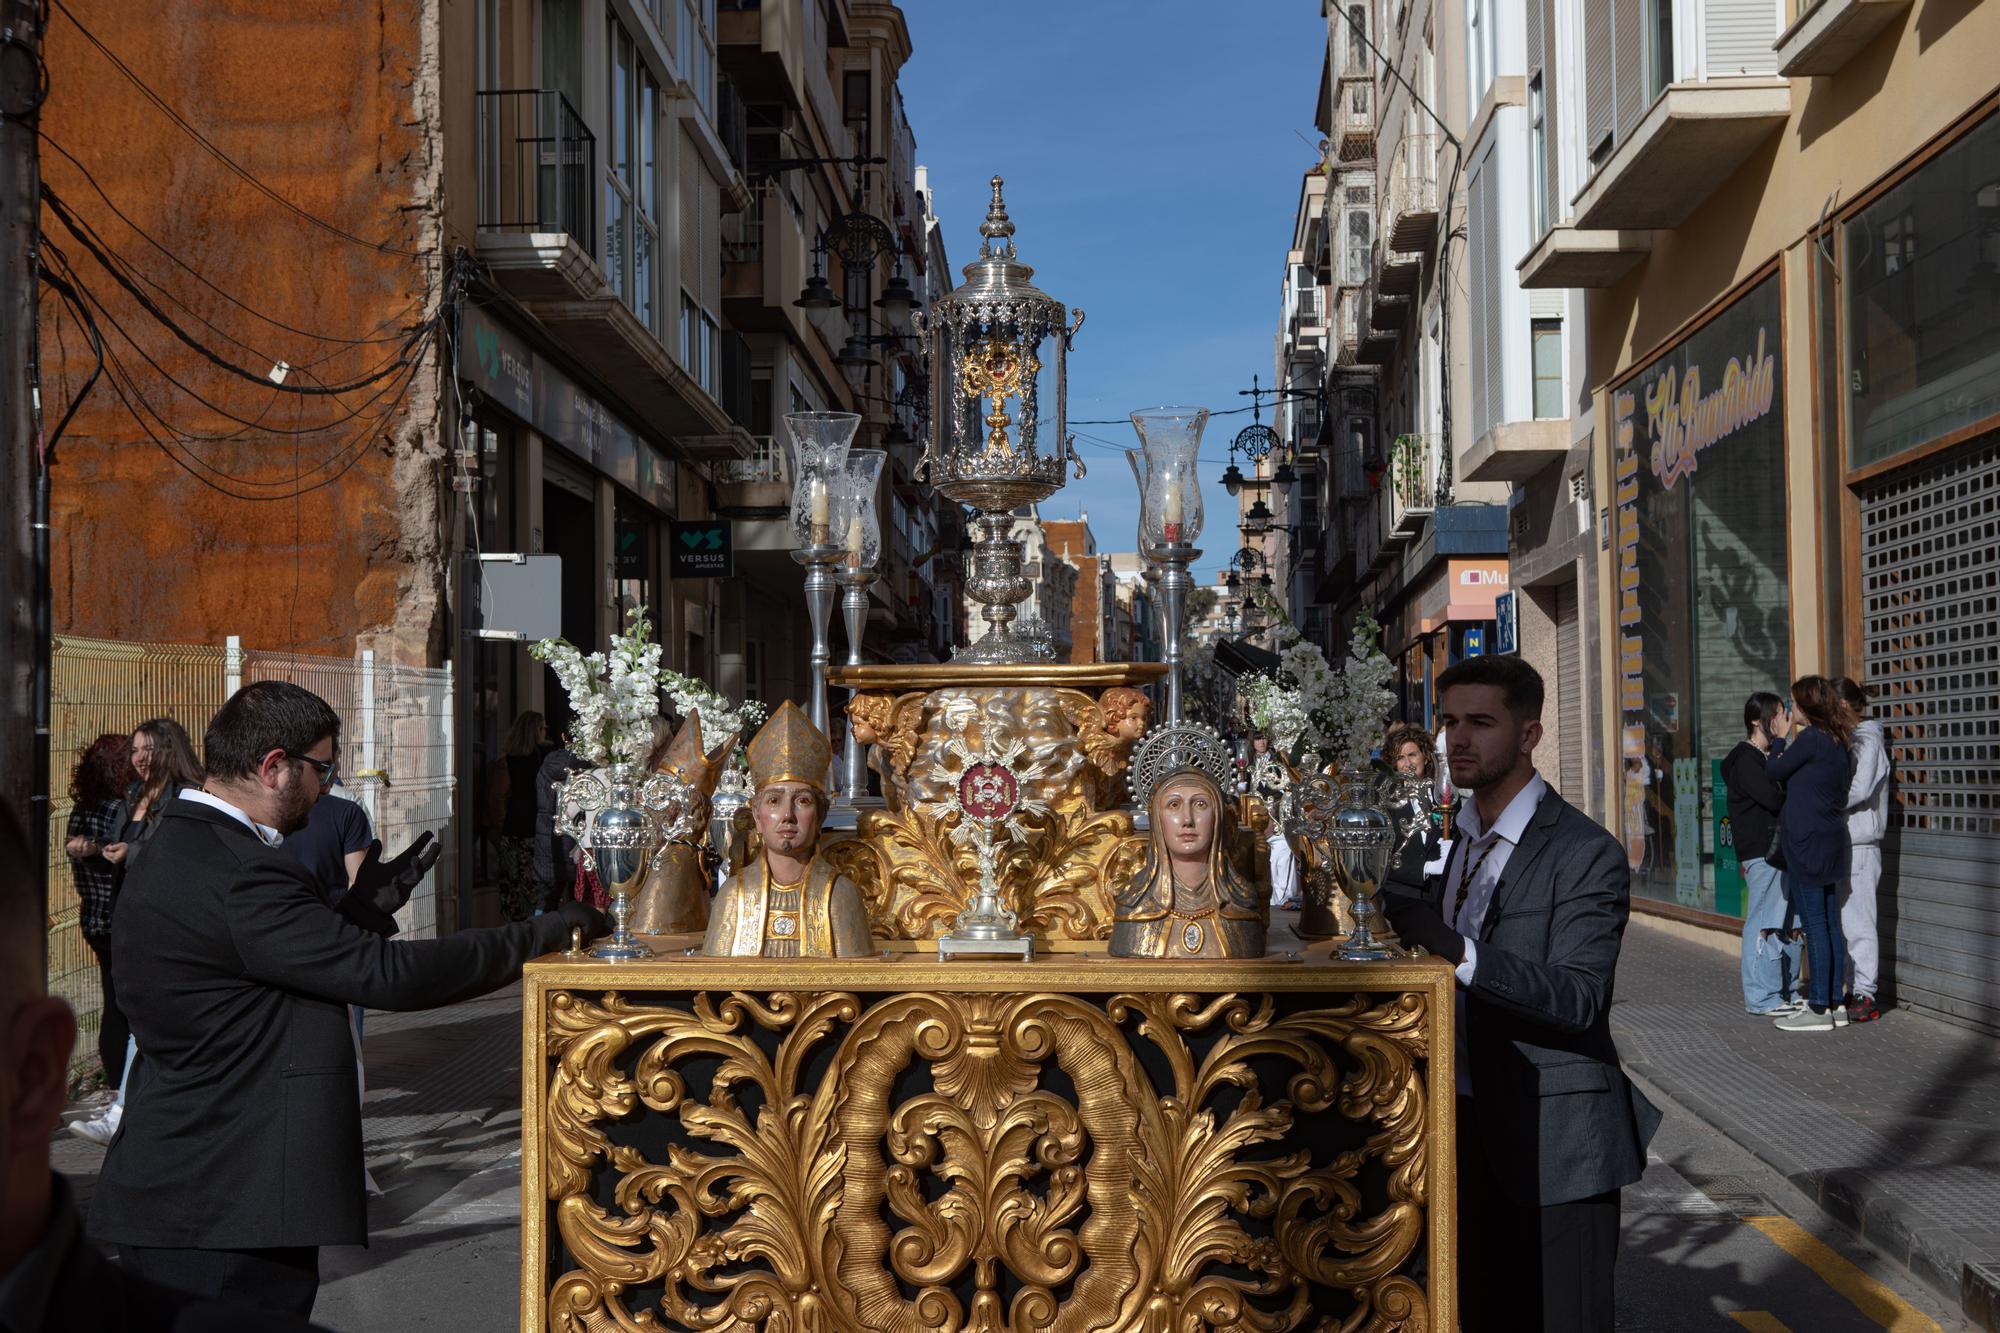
x: 1187, y: 900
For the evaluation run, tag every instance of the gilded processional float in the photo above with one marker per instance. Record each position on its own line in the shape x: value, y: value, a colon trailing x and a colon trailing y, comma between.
x: 1010, y: 1043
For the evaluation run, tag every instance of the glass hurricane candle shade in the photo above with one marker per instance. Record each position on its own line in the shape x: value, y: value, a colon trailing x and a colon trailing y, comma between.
x: 816, y: 445
x: 858, y: 521
x: 1170, y: 503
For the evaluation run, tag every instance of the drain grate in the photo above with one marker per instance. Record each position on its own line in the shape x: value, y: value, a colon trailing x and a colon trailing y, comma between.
x: 1734, y: 1193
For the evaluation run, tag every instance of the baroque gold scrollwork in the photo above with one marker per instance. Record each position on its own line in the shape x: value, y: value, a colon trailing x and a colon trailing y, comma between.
x: 929, y: 1161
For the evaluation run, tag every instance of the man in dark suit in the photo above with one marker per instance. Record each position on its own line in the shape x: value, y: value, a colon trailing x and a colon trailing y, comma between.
x: 52, y: 1280
x: 240, y: 1153
x: 1531, y: 908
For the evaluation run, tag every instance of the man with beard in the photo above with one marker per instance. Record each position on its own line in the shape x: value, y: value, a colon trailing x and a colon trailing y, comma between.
x: 240, y: 1152
x: 1530, y: 909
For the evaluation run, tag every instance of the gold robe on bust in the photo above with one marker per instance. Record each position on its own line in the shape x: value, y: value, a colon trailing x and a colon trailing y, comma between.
x: 832, y: 921
x: 1148, y: 925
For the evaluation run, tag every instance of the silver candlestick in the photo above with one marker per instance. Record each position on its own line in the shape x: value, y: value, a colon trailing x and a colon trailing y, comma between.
x: 819, y: 562
x: 1172, y: 560
x: 854, y: 583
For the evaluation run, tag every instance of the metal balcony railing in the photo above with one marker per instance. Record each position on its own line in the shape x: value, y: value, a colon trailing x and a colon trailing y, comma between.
x: 1354, y: 118
x: 732, y: 124
x: 766, y: 463
x: 735, y: 390
x: 537, y: 165
x: 1413, y: 193
x: 1412, y: 481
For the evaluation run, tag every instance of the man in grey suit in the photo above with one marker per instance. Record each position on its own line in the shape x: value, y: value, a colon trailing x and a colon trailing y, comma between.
x: 1531, y: 908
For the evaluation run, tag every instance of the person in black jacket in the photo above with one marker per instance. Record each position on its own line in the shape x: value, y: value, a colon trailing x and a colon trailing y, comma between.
x: 555, y: 851
x: 1530, y: 909
x: 1812, y: 832
x: 52, y: 1280
x: 241, y: 1155
x: 1770, y: 954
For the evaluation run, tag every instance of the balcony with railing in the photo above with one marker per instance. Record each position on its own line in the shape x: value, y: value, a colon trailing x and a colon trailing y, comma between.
x: 754, y: 486
x: 538, y: 190
x: 1354, y: 118
x: 1348, y: 323
x: 1412, y: 190
x: 764, y: 260
x: 1409, y: 487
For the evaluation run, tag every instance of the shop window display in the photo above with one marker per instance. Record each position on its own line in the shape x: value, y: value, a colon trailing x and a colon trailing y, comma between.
x: 1704, y: 608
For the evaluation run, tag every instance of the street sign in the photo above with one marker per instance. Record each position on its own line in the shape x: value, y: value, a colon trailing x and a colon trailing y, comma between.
x: 520, y: 596
x: 702, y: 549
x: 1507, y: 632
x: 1475, y: 641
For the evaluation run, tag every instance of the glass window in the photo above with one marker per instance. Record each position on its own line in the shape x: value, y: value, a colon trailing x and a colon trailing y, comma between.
x: 1538, y: 187
x: 691, y: 318
x: 1548, y: 338
x: 697, y: 52
x: 1703, y: 601
x: 1920, y: 282
x: 631, y: 168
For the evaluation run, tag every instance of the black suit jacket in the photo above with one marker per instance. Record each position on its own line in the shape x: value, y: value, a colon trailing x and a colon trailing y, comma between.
x: 1556, y: 1115
x: 243, y: 1126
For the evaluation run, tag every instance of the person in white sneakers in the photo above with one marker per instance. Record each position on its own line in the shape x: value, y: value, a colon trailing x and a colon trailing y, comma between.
x: 1867, y: 821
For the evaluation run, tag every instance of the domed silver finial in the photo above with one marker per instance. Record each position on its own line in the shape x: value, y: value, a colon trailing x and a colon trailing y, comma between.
x: 997, y: 225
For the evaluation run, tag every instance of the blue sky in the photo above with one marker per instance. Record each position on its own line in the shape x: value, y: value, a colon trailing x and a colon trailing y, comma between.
x: 1153, y: 151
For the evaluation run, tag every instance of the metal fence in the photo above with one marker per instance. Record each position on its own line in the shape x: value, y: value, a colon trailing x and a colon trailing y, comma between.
x: 396, y: 757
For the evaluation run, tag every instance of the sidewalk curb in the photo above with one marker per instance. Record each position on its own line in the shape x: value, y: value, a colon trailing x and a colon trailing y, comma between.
x: 1937, y: 1256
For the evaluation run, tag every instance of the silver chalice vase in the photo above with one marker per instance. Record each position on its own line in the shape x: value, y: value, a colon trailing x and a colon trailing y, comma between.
x: 1360, y: 835
x: 619, y: 819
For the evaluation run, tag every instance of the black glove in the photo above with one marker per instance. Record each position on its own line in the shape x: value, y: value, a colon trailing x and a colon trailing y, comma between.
x: 582, y: 916
x: 1417, y: 922
x: 387, y: 885
x: 1406, y: 872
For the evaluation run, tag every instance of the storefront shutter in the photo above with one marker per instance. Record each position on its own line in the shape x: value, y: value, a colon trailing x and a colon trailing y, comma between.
x: 1628, y: 25
x: 1930, y: 642
x: 1569, y: 698
x: 1598, y: 103
x: 1740, y: 37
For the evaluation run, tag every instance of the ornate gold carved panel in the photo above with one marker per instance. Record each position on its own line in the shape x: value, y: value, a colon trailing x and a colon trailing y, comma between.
x: 833, y: 1158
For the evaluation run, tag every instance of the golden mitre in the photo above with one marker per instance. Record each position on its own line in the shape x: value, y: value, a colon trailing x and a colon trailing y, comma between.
x: 695, y: 765
x: 789, y: 748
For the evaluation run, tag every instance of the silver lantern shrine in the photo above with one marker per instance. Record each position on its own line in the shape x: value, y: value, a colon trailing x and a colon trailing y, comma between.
x: 619, y: 817
x: 998, y: 350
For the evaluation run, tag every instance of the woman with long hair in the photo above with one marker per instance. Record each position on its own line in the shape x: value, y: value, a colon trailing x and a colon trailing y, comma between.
x: 102, y: 773
x: 1770, y: 965
x: 163, y: 760
x: 1812, y: 834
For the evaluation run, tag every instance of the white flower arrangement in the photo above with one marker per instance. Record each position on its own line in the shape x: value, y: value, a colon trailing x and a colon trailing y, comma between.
x: 1311, y: 711
x: 614, y: 695
x: 719, y: 717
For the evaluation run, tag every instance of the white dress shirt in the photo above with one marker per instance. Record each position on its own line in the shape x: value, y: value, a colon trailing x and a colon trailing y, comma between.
x: 271, y: 837
x: 1484, y: 857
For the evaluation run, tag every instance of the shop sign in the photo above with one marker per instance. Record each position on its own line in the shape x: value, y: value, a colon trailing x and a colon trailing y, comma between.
x: 1506, y: 628
x: 703, y: 549
x: 496, y: 362
x: 1728, y: 865
x: 1475, y: 641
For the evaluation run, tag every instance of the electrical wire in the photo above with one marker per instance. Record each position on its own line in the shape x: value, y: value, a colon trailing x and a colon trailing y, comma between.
x: 83, y: 234
x: 204, y: 280
x: 248, y: 177
x: 67, y: 291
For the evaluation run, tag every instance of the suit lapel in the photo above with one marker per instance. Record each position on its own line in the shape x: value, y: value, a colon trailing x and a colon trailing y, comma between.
x: 1534, y: 841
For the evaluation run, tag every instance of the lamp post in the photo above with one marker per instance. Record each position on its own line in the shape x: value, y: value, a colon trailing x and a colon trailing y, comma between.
x: 861, y: 546
x: 1170, y: 517
x: 816, y: 445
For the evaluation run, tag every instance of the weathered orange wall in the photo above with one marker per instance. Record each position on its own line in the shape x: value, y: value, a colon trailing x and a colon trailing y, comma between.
x: 328, y: 104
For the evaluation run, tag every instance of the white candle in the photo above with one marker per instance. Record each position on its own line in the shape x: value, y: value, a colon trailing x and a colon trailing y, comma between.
x: 855, y: 540
x: 816, y: 502
x: 1170, y: 510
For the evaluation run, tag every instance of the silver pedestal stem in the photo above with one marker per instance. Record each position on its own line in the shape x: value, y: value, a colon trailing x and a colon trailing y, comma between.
x: 1175, y: 583
x: 819, y: 562
x: 855, y: 584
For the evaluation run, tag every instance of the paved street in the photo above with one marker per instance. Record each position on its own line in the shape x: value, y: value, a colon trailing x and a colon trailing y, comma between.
x: 1900, y: 1115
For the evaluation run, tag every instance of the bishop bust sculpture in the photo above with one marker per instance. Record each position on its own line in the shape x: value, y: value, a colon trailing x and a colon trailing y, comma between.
x: 1187, y: 900
x: 788, y: 901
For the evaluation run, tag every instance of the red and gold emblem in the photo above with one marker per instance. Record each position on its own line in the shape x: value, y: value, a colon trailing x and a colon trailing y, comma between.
x: 988, y: 791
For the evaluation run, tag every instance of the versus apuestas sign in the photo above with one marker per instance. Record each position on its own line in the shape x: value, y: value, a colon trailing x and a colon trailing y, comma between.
x: 701, y: 549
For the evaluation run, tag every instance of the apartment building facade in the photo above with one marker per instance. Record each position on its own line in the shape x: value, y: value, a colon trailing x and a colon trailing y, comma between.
x: 1780, y: 224
x: 1404, y: 535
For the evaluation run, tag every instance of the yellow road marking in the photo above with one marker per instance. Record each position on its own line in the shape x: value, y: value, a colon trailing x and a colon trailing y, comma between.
x: 1870, y: 1297
x: 1759, y: 1321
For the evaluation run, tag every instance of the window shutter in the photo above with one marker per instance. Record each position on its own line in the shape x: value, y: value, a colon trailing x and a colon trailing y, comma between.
x: 1740, y: 37
x: 1480, y: 233
x: 1495, y: 332
x: 711, y: 245
x: 1597, y: 74
x: 1628, y: 25
x: 688, y: 203
x: 1535, y: 60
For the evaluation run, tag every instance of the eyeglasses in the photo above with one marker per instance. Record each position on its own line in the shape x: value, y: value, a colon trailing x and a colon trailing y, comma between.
x: 327, y: 769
